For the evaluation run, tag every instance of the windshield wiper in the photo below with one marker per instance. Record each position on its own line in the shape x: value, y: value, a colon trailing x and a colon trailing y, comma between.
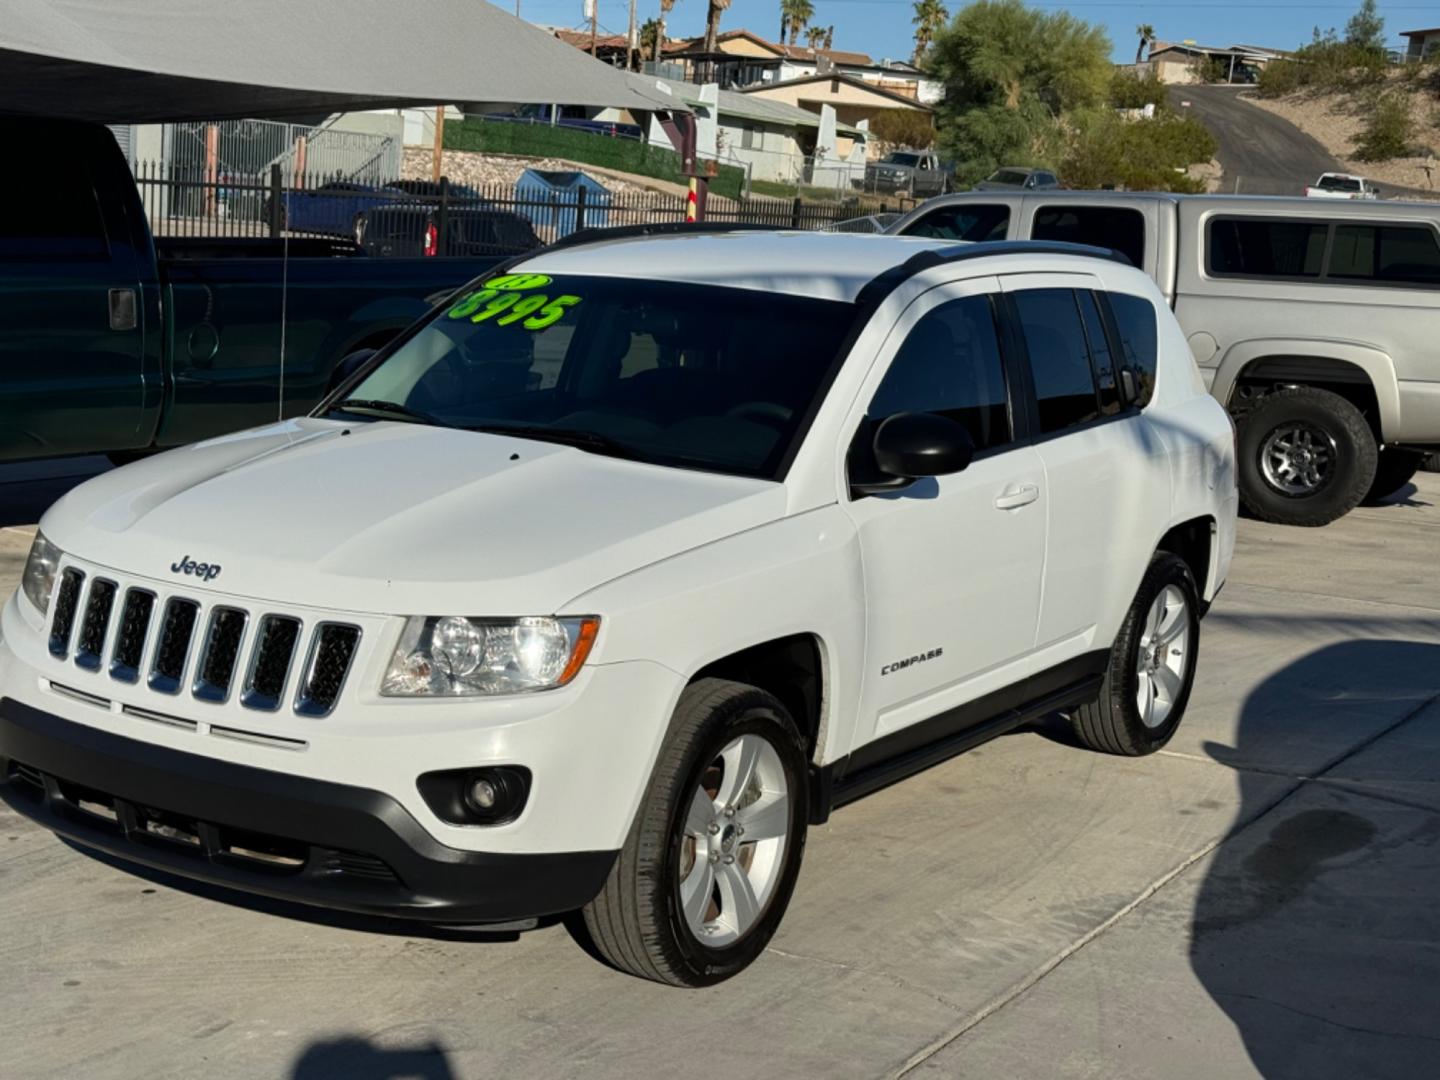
x: 581, y: 440
x: 392, y: 407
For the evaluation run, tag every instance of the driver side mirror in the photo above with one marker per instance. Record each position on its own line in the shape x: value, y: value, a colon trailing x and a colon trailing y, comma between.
x: 912, y: 445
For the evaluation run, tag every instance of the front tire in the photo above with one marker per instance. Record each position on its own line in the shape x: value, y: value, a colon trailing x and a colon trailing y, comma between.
x: 1152, y: 666
x: 712, y: 857
x: 1307, y: 457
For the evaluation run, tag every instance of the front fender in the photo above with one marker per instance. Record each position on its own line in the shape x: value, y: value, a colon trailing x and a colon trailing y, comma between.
x: 1376, y: 364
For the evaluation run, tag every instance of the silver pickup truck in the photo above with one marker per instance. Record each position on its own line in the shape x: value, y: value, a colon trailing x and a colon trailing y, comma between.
x: 1317, y: 324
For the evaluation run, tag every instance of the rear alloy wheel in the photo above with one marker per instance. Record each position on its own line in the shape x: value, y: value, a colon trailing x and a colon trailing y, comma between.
x: 1392, y: 472
x: 712, y: 858
x: 1151, y: 668
x: 1307, y: 457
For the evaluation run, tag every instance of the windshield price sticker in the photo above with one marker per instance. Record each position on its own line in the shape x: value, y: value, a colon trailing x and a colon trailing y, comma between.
x: 502, y: 301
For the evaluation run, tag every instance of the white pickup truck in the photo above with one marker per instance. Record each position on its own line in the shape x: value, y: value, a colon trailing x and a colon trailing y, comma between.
x: 1334, y: 185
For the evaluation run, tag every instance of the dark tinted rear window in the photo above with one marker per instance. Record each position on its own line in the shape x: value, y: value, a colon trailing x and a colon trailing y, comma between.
x: 1407, y: 255
x: 1119, y: 228
x: 1059, y: 358
x: 1138, y: 329
x: 1266, y: 247
x: 56, y: 218
x: 963, y: 222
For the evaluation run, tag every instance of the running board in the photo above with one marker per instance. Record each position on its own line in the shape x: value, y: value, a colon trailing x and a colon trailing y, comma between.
x: 832, y: 788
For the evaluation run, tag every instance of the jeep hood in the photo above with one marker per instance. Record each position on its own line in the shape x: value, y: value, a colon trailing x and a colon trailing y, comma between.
x: 399, y: 518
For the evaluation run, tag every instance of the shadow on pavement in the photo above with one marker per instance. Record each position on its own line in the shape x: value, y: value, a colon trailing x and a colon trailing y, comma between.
x: 353, y: 1058
x: 1316, y: 929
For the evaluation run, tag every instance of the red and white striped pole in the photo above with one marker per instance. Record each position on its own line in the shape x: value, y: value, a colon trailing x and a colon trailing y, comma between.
x: 691, y: 204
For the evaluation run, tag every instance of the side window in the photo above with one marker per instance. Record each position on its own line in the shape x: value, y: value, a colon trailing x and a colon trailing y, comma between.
x: 1100, y: 359
x: 950, y: 364
x: 1265, y: 247
x: 59, y: 219
x: 1119, y: 227
x: 1059, y: 358
x: 1385, y: 253
x: 1139, y: 333
x: 963, y: 221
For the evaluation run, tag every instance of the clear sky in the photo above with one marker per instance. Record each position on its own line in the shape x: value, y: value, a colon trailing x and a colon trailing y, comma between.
x: 882, y: 27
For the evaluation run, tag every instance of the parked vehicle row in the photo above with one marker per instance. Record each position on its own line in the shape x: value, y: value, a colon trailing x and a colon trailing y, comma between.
x: 1315, y: 323
x: 618, y: 571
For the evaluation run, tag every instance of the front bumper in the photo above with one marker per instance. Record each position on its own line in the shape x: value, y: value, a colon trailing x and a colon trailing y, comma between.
x: 271, y: 833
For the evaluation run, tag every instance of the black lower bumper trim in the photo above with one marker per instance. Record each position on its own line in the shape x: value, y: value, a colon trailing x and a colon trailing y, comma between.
x: 282, y: 836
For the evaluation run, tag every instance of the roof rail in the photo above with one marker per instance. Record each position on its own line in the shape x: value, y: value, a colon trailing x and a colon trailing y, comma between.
x: 655, y: 228
x: 883, y: 284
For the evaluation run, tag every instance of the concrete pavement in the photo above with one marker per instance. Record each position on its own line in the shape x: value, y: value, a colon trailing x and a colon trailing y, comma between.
x: 1258, y: 899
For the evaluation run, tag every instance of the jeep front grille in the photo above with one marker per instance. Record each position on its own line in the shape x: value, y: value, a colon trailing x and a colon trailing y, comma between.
x: 93, y: 625
x: 185, y: 645
x: 67, y: 602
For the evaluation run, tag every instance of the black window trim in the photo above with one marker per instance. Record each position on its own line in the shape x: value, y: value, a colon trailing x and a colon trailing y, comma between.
x: 1324, y: 277
x: 1128, y: 404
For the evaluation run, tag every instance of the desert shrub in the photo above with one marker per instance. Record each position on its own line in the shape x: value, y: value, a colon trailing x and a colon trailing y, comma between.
x: 1280, y: 78
x: 1141, y: 155
x: 1131, y: 91
x: 1326, y: 64
x: 1389, y: 130
x: 905, y: 128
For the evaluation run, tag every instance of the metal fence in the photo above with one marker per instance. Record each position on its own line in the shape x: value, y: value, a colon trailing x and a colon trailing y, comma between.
x: 411, y: 217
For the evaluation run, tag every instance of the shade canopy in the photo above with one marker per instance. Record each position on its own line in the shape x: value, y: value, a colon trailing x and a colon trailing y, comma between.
x: 138, y: 61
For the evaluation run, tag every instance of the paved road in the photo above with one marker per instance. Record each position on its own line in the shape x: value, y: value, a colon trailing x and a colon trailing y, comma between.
x: 1264, y: 153
x: 1257, y: 900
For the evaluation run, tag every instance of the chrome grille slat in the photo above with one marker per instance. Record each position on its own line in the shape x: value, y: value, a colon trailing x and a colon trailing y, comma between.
x: 270, y: 662
x: 173, y: 647
x: 67, y: 603
x: 94, y: 624
x: 220, y: 654
x: 331, y: 651
x: 134, y: 628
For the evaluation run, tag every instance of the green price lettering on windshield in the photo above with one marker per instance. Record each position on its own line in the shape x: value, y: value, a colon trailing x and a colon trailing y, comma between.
x: 533, y: 312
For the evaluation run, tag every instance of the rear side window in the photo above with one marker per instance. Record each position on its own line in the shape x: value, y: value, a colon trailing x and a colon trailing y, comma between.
x: 963, y: 222
x: 1138, y: 331
x: 1406, y: 255
x: 950, y: 364
x: 1101, y: 361
x: 1060, y: 362
x: 1117, y: 227
x: 1265, y: 247
x: 57, y: 219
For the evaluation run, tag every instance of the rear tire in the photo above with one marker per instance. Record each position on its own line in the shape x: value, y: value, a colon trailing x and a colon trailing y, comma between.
x: 1393, y: 471
x: 686, y: 903
x: 1152, y: 661
x: 1307, y: 457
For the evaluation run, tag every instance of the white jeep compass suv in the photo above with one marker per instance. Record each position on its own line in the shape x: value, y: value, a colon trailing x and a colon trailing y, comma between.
x: 619, y: 570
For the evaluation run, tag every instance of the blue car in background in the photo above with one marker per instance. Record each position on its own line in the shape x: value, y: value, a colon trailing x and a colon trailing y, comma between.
x: 334, y: 208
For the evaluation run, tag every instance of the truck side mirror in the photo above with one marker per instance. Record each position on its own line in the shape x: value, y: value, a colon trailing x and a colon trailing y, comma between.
x: 910, y: 445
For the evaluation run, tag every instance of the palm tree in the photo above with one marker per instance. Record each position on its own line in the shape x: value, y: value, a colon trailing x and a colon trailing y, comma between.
x: 666, y: 6
x: 1147, y: 35
x: 930, y: 17
x: 801, y: 12
x: 712, y: 23
x: 815, y: 36
x: 829, y: 37
x: 787, y: 11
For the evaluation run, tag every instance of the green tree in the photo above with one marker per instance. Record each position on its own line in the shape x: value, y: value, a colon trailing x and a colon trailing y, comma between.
x: 1011, y: 75
x: 930, y: 18
x: 801, y: 12
x: 815, y: 36
x: 649, y: 37
x: 1366, y: 28
x: 829, y: 37
x: 908, y: 129
x: 1147, y: 35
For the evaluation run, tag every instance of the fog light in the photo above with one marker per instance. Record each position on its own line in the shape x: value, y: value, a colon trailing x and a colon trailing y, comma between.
x: 482, y: 795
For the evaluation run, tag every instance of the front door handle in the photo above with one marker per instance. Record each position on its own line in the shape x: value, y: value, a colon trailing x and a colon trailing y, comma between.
x: 1012, y: 498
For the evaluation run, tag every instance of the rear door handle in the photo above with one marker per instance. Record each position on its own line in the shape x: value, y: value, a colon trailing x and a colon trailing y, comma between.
x: 1012, y: 498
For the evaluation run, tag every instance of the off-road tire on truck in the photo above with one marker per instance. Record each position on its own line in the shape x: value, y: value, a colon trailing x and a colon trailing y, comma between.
x: 1393, y: 471
x: 638, y: 923
x: 1152, y: 661
x: 1316, y: 432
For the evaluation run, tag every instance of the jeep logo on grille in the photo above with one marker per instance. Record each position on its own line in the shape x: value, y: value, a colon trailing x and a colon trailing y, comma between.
x: 203, y: 570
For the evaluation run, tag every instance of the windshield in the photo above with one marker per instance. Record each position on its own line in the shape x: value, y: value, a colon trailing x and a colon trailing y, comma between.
x: 674, y: 374
x: 1008, y: 176
x: 903, y: 159
x: 1339, y: 183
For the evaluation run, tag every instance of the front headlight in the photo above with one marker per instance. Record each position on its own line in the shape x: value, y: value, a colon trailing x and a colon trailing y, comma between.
x: 39, y: 578
x: 455, y: 656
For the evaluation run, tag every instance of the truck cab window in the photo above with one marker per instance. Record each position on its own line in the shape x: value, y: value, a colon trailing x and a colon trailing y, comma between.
x: 950, y: 365
x: 1119, y: 228
x: 963, y: 221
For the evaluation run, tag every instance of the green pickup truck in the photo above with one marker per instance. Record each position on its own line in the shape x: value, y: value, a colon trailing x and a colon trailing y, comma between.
x: 114, y: 342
